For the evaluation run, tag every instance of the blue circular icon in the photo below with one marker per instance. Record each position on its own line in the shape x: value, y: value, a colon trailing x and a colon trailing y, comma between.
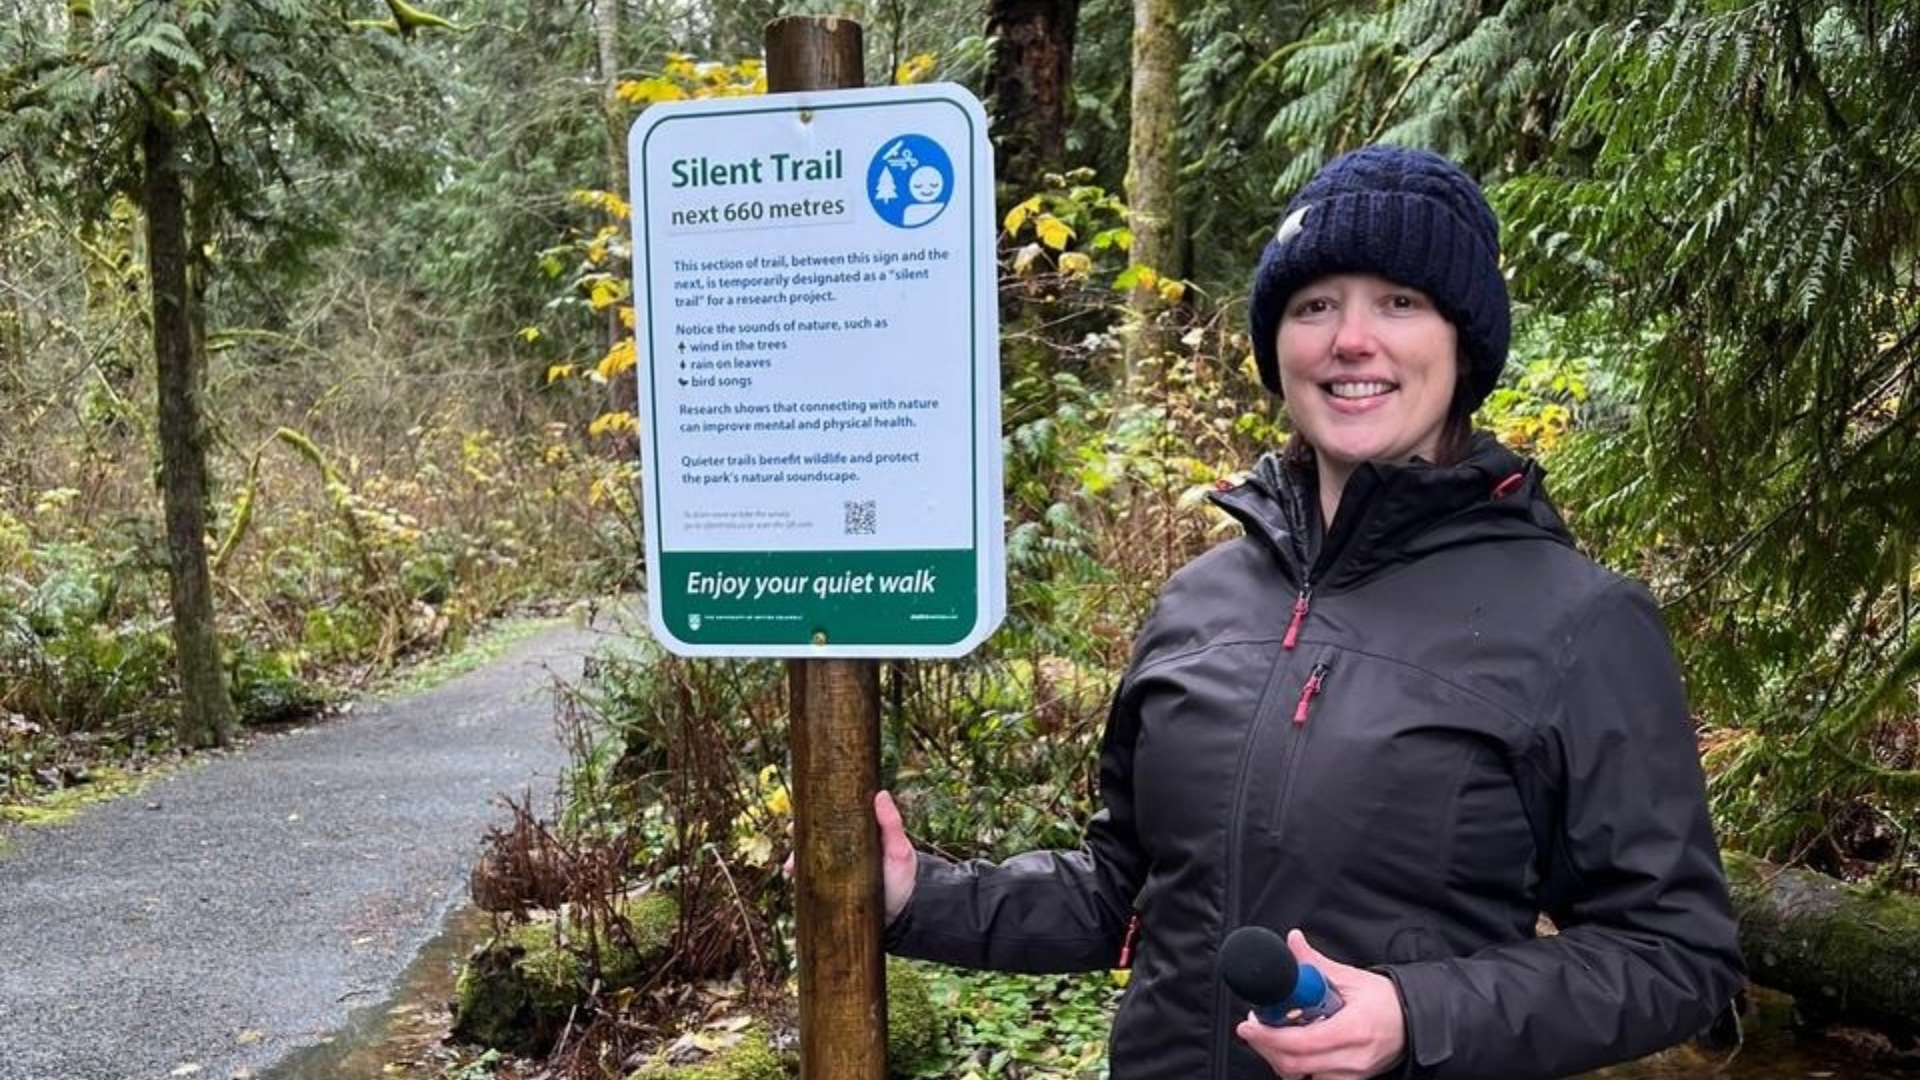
x: 910, y: 181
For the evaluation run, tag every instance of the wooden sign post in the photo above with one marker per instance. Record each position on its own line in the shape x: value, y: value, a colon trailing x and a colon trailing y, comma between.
x: 819, y: 401
x: 833, y: 736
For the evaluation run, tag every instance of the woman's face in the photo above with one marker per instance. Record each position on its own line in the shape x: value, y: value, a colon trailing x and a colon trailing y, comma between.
x: 1368, y: 369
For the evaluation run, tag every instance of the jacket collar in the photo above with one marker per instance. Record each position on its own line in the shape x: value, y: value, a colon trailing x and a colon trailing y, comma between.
x: 1390, y: 514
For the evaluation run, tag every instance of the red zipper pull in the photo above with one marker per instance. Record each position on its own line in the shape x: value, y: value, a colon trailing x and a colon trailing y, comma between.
x: 1308, y: 693
x: 1300, y: 605
x: 1126, y: 943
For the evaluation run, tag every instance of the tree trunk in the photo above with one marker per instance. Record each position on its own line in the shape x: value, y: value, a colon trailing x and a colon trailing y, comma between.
x: 1153, y: 168
x: 1029, y: 85
x: 1845, y: 953
x: 206, y: 711
x: 624, y: 390
x: 606, y: 38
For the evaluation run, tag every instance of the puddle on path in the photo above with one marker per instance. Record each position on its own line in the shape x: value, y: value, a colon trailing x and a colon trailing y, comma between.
x: 402, y: 1035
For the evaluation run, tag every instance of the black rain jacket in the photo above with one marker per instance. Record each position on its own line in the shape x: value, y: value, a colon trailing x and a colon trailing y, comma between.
x: 1408, y: 739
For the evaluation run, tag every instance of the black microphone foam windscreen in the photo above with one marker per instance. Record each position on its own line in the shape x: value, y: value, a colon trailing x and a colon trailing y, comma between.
x: 1256, y: 963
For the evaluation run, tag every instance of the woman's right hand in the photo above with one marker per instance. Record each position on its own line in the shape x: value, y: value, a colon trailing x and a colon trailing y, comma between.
x: 899, y: 865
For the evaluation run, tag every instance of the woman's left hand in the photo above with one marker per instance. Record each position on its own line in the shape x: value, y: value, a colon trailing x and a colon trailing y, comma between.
x: 1365, y: 1038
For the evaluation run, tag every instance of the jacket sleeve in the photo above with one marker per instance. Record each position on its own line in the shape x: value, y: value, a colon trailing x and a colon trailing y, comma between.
x: 1647, y: 952
x: 1043, y: 911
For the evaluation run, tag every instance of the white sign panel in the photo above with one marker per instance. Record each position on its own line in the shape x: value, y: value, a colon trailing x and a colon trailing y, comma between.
x: 819, y: 379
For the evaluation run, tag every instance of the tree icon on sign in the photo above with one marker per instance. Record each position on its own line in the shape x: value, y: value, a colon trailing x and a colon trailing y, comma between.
x: 910, y: 181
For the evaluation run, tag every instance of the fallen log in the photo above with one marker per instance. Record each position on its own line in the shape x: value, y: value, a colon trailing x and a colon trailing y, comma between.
x: 1846, y: 953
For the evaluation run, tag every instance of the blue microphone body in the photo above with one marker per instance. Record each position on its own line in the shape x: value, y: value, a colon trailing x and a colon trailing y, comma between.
x: 1258, y: 966
x: 1312, y: 999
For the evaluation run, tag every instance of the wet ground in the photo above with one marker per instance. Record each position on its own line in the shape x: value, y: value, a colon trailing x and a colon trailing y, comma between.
x: 253, y: 904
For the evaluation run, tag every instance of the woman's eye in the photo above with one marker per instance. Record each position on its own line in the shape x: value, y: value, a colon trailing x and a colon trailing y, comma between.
x: 1313, y: 306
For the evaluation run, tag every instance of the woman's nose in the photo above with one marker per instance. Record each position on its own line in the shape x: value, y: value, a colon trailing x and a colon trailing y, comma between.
x: 1354, y: 334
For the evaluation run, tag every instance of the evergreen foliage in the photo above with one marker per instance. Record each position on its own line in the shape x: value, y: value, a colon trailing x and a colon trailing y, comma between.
x: 1717, y: 198
x: 1712, y: 230
x: 1756, y: 214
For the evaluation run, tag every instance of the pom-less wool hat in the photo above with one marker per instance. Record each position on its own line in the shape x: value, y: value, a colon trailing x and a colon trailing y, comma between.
x: 1410, y: 216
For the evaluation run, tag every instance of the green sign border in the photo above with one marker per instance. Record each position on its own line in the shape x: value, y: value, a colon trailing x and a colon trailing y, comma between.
x: 948, y: 616
x: 822, y: 598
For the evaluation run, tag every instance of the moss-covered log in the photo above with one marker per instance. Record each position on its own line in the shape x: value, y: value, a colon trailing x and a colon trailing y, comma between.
x: 519, y: 990
x: 1844, y: 952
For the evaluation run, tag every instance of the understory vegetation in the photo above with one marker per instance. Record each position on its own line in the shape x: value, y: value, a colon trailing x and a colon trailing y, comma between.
x: 420, y: 413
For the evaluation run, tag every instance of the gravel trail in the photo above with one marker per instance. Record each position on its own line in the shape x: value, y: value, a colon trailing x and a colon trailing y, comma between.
x: 240, y: 908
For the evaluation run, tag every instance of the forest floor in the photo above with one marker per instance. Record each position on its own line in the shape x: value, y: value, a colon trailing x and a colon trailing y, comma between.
x: 244, y: 906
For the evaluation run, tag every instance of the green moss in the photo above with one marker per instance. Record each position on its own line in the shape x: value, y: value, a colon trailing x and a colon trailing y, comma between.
x: 485, y: 646
x: 517, y: 991
x: 651, y: 920
x: 913, y: 1025
x: 751, y: 1058
x: 57, y: 807
x: 550, y: 971
x: 497, y: 1002
x: 913, y: 1036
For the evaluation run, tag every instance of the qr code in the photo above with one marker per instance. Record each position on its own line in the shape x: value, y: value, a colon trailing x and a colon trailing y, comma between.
x: 862, y: 518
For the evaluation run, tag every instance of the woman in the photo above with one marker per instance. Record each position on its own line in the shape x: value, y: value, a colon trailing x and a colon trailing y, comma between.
x: 1402, y: 717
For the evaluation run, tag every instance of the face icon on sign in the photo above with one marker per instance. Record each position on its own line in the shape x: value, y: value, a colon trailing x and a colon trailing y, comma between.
x: 910, y: 181
x: 927, y: 184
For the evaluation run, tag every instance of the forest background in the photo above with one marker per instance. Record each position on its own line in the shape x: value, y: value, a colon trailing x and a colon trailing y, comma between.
x: 315, y: 355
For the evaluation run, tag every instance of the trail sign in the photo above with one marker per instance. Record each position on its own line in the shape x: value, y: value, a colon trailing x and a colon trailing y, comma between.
x: 819, y: 373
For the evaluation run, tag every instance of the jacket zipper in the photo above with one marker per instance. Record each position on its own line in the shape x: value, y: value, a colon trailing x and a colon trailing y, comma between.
x: 1310, y: 691
x: 1126, y: 943
x: 1302, y: 603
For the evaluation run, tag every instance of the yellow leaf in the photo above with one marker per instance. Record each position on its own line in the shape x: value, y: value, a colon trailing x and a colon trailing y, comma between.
x: 1053, y: 232
x: 618, y: 359
x: 626, y: 317
x: 1172, y: 291
x: 914, y: 69
x: 607, y: 292
x: 529, y: 334
x: 1076, y: 263
x: 645, y: 92
x: 558, y: 372
x: 614, y: 423
x: 1017, y: 217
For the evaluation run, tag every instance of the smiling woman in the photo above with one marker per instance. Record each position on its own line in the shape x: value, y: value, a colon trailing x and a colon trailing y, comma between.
x: 1368, y: 368
x: 1400, y: 717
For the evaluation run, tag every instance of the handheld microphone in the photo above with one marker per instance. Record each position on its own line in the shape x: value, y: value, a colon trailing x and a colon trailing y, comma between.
x: 1258, y: 966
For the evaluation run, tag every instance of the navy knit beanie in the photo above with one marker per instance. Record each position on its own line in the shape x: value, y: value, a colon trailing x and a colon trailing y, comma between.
x: 1410, y: 216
